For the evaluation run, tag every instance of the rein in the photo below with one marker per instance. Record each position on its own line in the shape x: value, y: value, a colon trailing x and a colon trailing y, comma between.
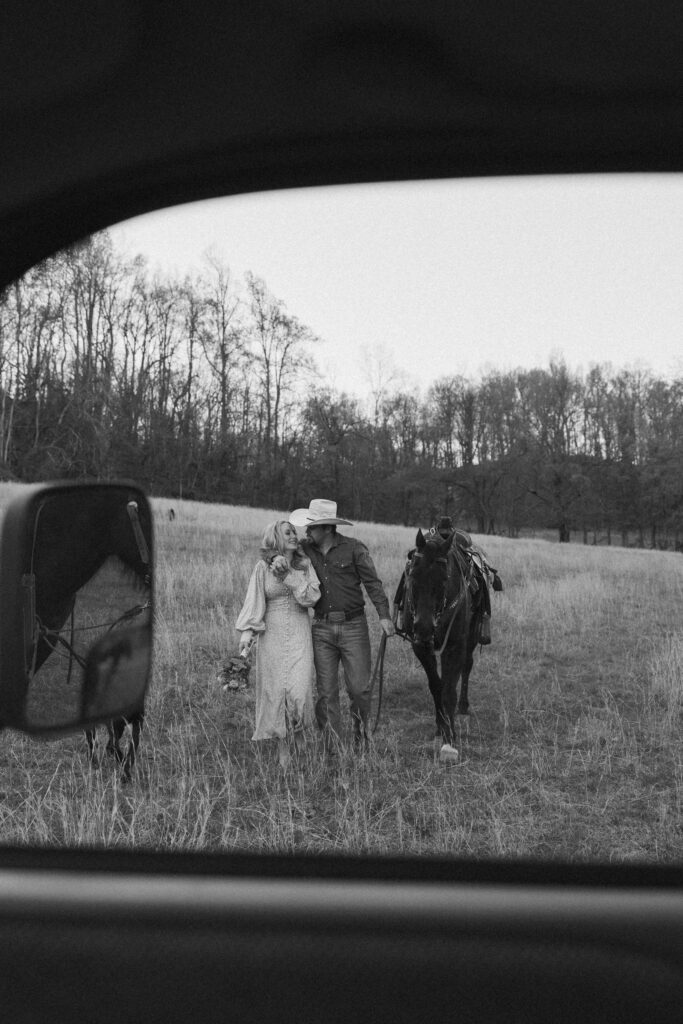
x: 55, y: 639
x: 454, y: 609
x: 378, y: 673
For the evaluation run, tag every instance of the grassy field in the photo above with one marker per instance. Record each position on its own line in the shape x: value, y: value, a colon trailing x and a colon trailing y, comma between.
x: 572, y: 749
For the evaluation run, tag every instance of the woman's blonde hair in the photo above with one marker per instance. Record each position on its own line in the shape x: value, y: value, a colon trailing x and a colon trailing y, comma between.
x: 273, y: 543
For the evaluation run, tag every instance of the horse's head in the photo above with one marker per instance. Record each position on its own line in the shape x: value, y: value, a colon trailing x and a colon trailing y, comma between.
x: 427, y: 581
x: 69, y: 535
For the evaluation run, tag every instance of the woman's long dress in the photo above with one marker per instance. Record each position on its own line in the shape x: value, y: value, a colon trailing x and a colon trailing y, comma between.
x: 284, y: 673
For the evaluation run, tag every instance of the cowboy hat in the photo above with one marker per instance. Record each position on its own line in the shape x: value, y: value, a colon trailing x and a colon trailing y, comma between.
x: 320, y: 512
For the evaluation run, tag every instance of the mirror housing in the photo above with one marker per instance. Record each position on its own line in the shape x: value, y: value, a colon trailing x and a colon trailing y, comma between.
x: 76, y: 606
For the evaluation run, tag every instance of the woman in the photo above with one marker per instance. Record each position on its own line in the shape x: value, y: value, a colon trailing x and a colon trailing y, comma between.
x: 283, y: 586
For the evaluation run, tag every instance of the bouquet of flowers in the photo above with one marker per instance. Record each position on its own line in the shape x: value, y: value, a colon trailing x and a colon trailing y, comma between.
x: 234, y: 675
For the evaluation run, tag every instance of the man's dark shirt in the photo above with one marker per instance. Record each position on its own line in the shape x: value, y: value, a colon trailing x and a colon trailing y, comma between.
x: 341, y: 571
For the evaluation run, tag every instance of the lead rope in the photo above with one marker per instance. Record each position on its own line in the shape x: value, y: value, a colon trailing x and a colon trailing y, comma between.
x: 378, y: 673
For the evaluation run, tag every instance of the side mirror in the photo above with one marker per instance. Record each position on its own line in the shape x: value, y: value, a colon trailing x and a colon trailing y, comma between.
x: 76, y: 606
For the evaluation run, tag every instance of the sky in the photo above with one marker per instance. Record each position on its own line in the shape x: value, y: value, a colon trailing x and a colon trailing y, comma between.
x: 406, y: 283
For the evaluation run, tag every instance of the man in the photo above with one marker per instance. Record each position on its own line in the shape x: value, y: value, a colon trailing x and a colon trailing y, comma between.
x: 340, y: 630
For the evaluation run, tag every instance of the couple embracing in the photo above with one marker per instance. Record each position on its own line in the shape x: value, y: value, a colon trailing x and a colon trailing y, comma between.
x: 305, y: 563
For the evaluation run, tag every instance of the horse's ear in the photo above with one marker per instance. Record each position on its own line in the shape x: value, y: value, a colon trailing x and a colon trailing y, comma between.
x: 420, y: 540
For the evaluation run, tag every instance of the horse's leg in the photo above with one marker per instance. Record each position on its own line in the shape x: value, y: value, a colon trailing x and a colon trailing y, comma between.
x: 451, y: 671
x: 425, y: 655
x: 115, y: 732
x: 472, y: 640
x: 463, y: 703
x: 129, y: 760
x: 90, y: 740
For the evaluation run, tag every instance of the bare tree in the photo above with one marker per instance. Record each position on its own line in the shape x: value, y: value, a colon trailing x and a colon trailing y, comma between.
x: 222, y: 337
x: 279, y: 344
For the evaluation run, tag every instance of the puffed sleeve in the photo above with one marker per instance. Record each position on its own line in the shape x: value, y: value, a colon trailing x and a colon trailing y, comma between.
x: 304, y: 584
x: 253, y: 611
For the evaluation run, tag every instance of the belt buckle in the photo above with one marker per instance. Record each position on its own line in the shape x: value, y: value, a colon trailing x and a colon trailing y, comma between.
x: 336, y: 617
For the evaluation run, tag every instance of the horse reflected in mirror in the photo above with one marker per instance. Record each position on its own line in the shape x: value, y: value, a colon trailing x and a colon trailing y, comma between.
x: 441, y: 616
x: 74, y: 533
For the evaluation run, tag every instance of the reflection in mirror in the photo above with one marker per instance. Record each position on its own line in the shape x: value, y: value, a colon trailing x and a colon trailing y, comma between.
x: 99, y: 661
x: 116, y: 671
x: 88, y: 591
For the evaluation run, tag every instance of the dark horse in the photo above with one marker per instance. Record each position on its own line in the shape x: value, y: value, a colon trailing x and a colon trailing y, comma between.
x: 441, y: 616
x: 74, y: 533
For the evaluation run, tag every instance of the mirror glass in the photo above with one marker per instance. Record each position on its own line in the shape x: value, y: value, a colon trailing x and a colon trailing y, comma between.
x: 98, y: 664
x: 87, y: 616
x: 506, y: 353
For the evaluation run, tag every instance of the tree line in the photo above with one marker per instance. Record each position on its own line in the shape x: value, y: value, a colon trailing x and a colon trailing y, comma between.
x: 207, y: 388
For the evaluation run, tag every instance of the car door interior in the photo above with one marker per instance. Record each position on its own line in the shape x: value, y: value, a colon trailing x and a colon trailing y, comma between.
x: 108, y: 111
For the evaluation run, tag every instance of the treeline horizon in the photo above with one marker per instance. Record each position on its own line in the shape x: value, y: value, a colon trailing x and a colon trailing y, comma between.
x: 207, y: 388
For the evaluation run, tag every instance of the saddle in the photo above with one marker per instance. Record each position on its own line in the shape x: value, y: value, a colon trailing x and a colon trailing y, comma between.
x: 462, y: 543
x: 478, y: 573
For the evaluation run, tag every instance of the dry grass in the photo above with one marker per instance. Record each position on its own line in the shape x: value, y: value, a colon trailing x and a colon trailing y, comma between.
x: 572, y: 749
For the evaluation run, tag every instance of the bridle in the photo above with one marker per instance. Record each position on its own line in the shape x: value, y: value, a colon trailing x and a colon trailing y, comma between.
x: 448, y: 610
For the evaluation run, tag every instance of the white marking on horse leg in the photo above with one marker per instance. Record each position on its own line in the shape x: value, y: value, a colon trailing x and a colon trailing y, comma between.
x: 448, y: 754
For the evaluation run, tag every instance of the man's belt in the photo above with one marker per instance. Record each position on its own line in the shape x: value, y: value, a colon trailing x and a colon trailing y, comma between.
x: 340, y: 616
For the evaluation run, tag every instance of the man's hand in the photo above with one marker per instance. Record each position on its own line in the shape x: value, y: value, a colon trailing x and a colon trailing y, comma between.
x: 388, y: 626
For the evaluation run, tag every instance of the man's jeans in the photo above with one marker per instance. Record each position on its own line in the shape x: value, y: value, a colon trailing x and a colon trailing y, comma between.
x: 348, y: 643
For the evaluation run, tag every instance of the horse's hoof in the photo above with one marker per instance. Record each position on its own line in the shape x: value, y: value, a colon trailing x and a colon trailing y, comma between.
x: 448, y: 754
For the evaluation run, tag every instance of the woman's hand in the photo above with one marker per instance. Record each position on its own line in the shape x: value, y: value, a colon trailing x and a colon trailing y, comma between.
x: 246, y: 641
x: 280, y: 567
